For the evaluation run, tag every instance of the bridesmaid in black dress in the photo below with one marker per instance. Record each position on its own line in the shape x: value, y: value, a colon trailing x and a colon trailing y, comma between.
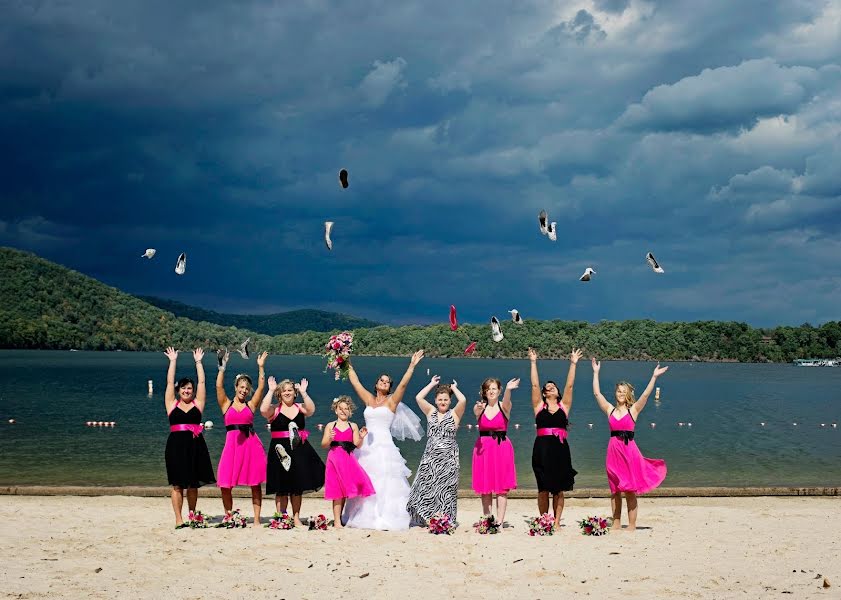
x: 550, y: 457
x: 188, y: 465
x: 305, y: 473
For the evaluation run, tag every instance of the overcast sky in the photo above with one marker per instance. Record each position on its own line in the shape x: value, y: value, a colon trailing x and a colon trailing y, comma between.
x: 708, y: 133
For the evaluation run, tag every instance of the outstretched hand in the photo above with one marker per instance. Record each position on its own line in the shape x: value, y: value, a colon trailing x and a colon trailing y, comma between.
x: 261, y: 360
x: 454, y: 385
x: 171, y: 353
x: 532, y: 355
x: 416, y: 358
x: 575, y: 355
x: 223, y: 358
x: 513, y: 384
x: 658, y: 370
x: 435, y: 380
x: 302, y: 387
x: 272, y: 384
x: 198, y: 354
x: 596, y: 365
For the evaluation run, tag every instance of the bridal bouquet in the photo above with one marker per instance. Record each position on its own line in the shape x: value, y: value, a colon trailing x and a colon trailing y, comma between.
x: 594, y: 526
x: 542, y: 525
x: 281, y: 521
x: 439, y: 524
x: 196, y: 520
x: 318, y: 523
x: 487, y: 524
x: 338, y: 353
x: 232, y: 520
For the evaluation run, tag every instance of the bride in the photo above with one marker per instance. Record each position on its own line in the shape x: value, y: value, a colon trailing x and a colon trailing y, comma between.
x: 385, y: 417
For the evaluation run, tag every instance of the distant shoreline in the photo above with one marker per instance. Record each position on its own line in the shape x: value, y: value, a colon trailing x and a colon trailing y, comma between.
x: 242, y: 492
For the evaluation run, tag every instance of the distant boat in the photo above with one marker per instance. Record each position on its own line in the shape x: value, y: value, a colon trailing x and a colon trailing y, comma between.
x: 818, y: 362
x: 73, y: 350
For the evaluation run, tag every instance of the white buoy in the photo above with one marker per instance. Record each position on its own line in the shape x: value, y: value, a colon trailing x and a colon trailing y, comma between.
x: 11, y: 421
x: 88, y: 423
x: 680, y: 424
x: 835, y: 425
x: 653, y: 425
x: 823, y: 424
x: 590, y: 425
x: 469, y: 426
x: 762, y: 424
x: 268, y: 425
x: 113, y: 423
x: 516, y: 425
x: 320, y: 426
x: 657, y: 393
x: 208, y: 424
x: 149, y: 383
x: 689, y: 424
x: 795, y: 424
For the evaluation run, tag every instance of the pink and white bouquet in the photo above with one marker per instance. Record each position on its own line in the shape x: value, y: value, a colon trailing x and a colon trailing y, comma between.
x: 595, y: 526
x: 232, y: 520
x: 281, y: 521
x: 196, y: 520
x: 487, y: 525
x: 318, y: 523
x: 440, y: 523
x: 542, y: 525
x: 338, y: 353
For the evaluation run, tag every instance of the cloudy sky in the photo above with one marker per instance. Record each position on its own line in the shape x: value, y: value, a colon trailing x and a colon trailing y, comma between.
x: 706, y: 132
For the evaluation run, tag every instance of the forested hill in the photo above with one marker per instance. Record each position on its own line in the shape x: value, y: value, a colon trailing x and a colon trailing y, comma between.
x: 294, y: 321
x: 45, y: 305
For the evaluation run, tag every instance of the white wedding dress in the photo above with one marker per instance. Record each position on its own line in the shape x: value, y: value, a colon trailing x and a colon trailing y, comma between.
x: 382, y: 461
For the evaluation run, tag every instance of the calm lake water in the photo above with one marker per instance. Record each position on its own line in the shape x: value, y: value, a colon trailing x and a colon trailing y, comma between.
x: 51, y: 394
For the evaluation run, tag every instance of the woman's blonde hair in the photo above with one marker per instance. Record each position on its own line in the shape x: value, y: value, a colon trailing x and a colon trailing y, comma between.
x: 347, y: 400
x: 629, y: 397
x: 279, y: 389
x: 242, y: 376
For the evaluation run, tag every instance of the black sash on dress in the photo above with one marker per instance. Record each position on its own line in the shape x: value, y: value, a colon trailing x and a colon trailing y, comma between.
x: 625, y: 435
x: 348, y: 447
x: 499, y: 436
x: 249, y: 429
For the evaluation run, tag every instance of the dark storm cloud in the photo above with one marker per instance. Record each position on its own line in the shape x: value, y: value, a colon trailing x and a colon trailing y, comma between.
x: 681, y: 128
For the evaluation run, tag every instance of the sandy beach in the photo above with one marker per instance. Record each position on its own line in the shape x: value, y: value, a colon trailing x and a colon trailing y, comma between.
x: 100, y: 547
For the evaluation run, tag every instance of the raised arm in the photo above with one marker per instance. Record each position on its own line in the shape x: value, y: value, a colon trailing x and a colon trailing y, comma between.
x: 458, y: 410
x: 169, y: 396
x: 397, y: 396
x: 536, y: 396
x: 261, y: 382
x: 329, y: 434
x: 266, y: 408
x: 309, y: 406
x: 201, y: 392
x: 600, y: 400
x: 425, y: 407
x: 636, y: 409
x: 221, y: 396
x: 573, y: 363
x: 512, y: 384
x: 364, y: 395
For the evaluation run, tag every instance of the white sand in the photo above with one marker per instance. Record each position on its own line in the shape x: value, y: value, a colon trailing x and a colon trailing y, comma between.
x: 102, y: 547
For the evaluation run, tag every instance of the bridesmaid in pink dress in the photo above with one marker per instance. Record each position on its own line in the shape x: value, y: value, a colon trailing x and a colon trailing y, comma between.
x: 494, y: 471
x: 243, y: 460
x: 628, y: 471
x: 344, y: 477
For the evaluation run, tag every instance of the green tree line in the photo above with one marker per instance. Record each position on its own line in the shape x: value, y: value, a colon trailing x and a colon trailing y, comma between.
x: 46, y: 306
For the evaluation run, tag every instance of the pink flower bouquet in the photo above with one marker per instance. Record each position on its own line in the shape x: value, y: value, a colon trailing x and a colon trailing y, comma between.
x: 542, y: 525
x: 595, y: 526
x: 281, y: 521
x: 440, y: 523
x: 232, y: 520
x: 338, y: 353
x: 318, y: 523
x: 487, y: 525
x: 196, y: 520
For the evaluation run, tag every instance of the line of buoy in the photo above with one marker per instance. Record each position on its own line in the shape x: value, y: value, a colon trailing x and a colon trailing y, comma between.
x: 100, y: 423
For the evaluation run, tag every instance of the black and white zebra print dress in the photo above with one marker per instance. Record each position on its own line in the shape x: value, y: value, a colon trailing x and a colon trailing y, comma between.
x: 435, y: 489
